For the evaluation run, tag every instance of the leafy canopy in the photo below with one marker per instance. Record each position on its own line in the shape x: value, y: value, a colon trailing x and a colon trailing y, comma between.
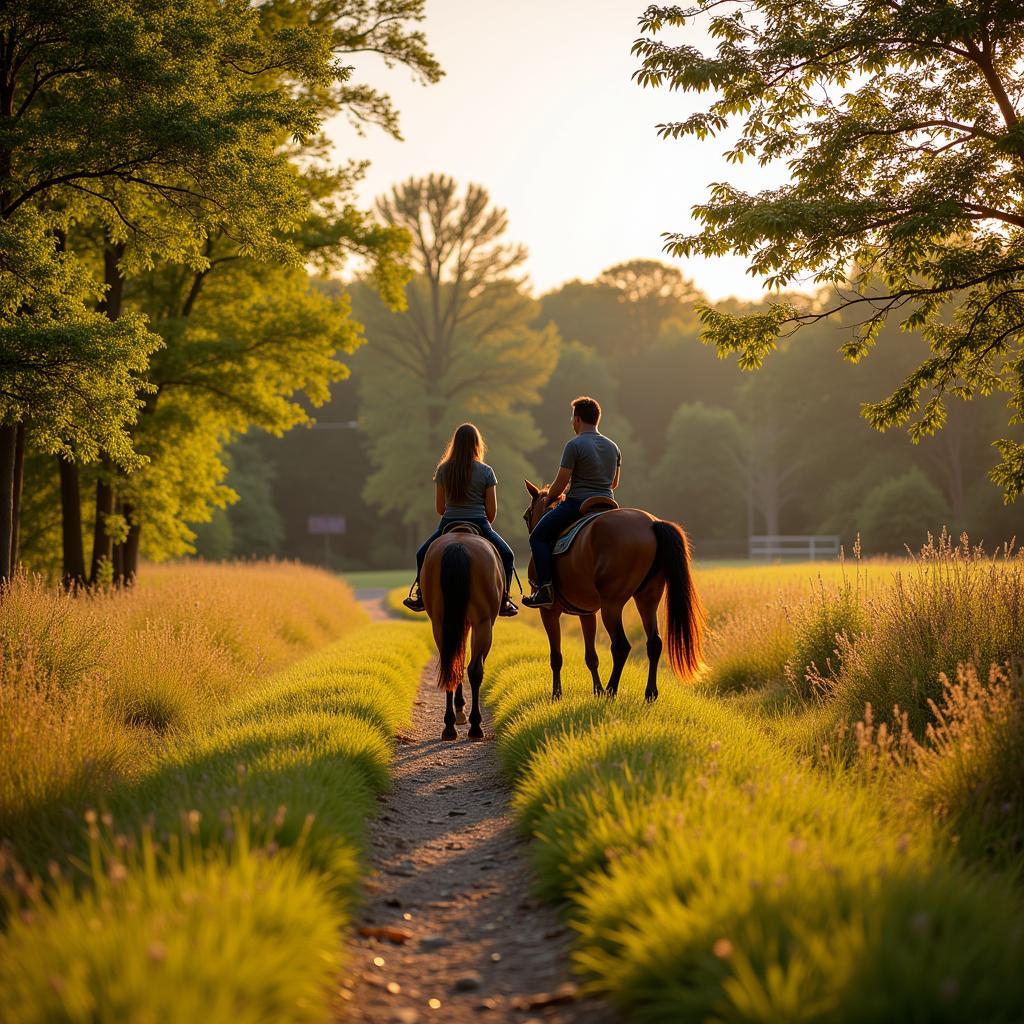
x: 900, y: 125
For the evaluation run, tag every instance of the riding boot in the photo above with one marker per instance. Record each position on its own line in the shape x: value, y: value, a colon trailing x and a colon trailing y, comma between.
x: 542, y: 597
x: 508, y: 606
x: 414, y: 602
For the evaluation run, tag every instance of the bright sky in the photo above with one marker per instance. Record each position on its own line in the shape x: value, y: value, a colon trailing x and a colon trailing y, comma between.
x: 538, y: 106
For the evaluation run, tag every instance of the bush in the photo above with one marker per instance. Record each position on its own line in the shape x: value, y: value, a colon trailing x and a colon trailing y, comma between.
x: 896, y: 513
x: 971, y: 766
x: 953, y: 605
x: 822, y: 629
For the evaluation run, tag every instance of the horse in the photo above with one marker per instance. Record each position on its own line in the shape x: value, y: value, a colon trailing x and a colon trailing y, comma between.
x: 623, y: 554
x: 462, y: 583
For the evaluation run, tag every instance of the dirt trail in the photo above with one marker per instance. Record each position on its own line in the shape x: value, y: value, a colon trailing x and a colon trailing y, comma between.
x: 372, y: 600
x: 452, y: 872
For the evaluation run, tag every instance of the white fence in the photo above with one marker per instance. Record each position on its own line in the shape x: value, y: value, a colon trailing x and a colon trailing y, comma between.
x: 768, y: 547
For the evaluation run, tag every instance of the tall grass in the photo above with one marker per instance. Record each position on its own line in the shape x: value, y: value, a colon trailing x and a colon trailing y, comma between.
x: 92, y: 685
x: 220, y: 875
x: 711, y: 875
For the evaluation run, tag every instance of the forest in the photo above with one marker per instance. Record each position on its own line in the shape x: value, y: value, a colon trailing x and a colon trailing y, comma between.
x: 725, y: 452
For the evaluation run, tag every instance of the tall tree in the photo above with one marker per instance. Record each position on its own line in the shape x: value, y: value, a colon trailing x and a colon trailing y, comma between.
x: 901, y: 124
x: 241, y: 176
x: 463, y: 349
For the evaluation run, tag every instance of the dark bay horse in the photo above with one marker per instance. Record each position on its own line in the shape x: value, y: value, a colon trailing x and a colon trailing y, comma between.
x: 462, y: 582
x: 623, y: 554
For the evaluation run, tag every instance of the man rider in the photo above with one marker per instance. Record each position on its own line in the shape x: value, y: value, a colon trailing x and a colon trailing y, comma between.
x: 590, y: 467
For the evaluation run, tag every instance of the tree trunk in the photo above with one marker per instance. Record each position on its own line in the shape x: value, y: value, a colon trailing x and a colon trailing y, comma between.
x: 8, y: 444
x: 19, y: 483
x: 131, y: 547
x: 73, y: 574
x: 102, y: 545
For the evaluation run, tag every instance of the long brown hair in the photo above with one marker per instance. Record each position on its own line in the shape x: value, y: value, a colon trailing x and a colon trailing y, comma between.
x: 465, y: 446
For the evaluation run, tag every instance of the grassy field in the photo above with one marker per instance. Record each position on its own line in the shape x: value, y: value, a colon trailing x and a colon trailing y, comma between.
x: 205, y: 871
x: 385, y: 579
x: 781, y: 844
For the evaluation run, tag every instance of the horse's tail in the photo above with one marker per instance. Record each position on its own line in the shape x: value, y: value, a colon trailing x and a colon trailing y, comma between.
x: 455, y: 571
x: 685, y: 625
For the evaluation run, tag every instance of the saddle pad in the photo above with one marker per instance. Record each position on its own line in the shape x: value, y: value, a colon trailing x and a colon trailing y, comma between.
x: 565, y: 540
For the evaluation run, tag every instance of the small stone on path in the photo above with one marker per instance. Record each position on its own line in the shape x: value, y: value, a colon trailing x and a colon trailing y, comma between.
x: 468, y: 982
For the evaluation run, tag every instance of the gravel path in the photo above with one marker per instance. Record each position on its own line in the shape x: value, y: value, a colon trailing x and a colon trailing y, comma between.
x: 453, y: 884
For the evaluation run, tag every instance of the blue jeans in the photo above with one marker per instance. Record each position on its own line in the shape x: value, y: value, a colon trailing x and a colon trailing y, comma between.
x: 487, y: 531
x: 546, y: 532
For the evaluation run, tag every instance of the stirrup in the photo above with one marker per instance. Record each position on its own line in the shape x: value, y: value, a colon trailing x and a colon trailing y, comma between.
x: 508, y: 607
x: 542, y: 597
x: 415, y: 602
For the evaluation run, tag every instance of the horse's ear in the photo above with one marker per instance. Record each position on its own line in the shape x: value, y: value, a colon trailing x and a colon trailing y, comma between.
x: 532, y: 489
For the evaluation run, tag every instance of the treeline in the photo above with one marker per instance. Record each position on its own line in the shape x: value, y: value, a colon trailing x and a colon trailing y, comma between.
x: 165, y: 187
x: 782, y: 450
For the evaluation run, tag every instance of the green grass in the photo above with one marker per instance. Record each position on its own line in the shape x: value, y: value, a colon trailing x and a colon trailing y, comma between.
x: 383, y: 579
x: 713, y: 875
x: 231, y: 911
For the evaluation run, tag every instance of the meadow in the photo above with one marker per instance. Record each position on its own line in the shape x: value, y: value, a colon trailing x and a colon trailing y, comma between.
x: 188, y: 769
x: 825, y: 826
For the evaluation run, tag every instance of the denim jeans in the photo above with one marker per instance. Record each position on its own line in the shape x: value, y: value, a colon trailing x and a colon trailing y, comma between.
x: 546, y: 532
x: 487, y: 531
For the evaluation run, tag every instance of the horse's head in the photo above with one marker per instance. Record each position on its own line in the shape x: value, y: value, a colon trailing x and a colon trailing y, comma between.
x: 538, y: 505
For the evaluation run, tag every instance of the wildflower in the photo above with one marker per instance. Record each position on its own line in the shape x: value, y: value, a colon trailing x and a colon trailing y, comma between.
x: 722, y: 949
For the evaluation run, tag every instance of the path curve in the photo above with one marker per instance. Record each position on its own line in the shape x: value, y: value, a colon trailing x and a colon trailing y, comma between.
x: 451, y: 872
x: 372, y: 600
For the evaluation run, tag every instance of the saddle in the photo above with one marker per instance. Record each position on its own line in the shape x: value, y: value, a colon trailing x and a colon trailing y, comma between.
x: 590, y: 510
x: 459, y: 527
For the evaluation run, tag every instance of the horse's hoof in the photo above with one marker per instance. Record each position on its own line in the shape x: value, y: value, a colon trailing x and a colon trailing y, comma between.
x: 475, y: 732
x: 611, y: 694
x: 460, y: 717
x: 598, y: 691
x: 557, y: 695
x: 450, y: 733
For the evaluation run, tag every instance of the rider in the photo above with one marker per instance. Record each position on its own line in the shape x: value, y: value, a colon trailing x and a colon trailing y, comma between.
x: 590, y: 466
x: 466, y: 492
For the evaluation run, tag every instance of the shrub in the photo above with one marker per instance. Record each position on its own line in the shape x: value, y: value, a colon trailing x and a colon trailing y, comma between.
x: 954, y: 604
x: 823, y: 628
x: 896, y: 513
x: 971, y: 766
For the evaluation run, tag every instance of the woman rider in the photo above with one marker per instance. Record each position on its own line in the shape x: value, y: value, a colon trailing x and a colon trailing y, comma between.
x: 466, y: 493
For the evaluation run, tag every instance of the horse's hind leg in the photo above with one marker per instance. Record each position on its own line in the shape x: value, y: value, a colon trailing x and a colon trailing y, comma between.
x: 588, y: 623
x: 450, y: 732
x: 647, y: 601
x: 481, y: 648
x: 460, y: 706
x: 552, y: 626
x: 611, y: 616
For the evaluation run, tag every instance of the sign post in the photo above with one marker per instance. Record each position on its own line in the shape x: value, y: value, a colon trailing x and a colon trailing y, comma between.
x: 326, y: 526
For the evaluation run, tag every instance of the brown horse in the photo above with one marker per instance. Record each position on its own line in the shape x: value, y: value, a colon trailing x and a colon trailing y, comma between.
x: 623, y: 554
x: 462, y: 583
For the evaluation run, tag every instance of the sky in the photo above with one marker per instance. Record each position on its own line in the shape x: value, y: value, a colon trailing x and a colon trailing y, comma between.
x: 538, y: 106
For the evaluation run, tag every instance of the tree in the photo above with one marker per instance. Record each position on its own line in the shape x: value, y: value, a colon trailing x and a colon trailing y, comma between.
x: 463, y: 349
x: 899, y: 512
x: 651, y: 292
x: 700, y: 479
x: 237, y: 176
x: 901, y: 127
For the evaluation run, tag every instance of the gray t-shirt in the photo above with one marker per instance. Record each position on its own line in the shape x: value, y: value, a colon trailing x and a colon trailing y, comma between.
x: 480, y: 479
x: 593, y: 459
